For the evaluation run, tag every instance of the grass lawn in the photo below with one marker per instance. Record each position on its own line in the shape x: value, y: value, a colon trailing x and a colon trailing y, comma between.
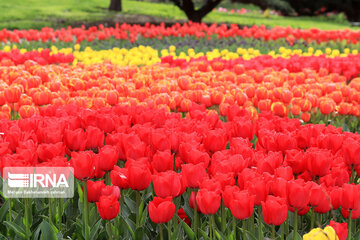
x: 61, y: 13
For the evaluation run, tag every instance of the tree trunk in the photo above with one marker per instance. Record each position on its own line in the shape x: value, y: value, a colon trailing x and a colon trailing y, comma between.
x: 196, y: 15
x: 115, y: 5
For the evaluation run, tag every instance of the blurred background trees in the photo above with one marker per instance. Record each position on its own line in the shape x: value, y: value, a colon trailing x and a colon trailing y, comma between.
x: 195, y: 10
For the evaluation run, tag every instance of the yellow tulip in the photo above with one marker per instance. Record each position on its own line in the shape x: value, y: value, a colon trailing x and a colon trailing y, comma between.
x: 328, y: 233
x: 172, y: 48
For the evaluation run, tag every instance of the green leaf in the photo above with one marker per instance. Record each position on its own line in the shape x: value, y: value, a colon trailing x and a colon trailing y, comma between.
x: 4, y: 209
x: 248, y: 234
x: 95, y: 229
x: 80, y: 192
x: 144, y: 216
x: 204, y: 234
x: 130, y: 204
x: 290, y: 237
x: 128, y: 222
x: 140, y: 233
x: 141, y: 208
x: 187, y: 229
x: 219, y: 234
x: 19, y: 230
x: 2, y: 237
x: 48, y: 231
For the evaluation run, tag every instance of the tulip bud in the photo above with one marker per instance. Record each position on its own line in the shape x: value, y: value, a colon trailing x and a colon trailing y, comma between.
x: 27, y: 111
x: 12, y: 94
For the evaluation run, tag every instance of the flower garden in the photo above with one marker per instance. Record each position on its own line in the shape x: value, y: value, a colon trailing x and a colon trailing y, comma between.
x: 191, y: 131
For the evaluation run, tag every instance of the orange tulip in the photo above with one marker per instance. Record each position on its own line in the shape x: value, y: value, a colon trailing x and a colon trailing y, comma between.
x: 27, y: 111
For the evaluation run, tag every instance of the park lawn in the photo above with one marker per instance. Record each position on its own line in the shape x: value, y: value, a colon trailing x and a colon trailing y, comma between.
x: 54, y: 13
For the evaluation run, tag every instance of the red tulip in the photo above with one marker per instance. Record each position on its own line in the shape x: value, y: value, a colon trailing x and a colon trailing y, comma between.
x: 161, y: 210
x: 182, y: 215
x: 111, y: 190
x: 108, y: 207
x: 355, y: 214
x: 340, y: 229
x: 75, y: 140
x: 258, y: 188
x: 47, y: 152
x: 163, y: 161
x: 193, y: 174
x: 208, y: 201
x: 94, y: 190
x: 274, y: 210
x: 215, y: 140
x: 318, y: 161
x: 167, y: 184
x: 211, y: 184
x: 350, y: 197
x: 83, y: 164
x: 242, y: 204
x: 296, y: 160
x: 351, y: 149
x: 298, y: 194
x: 120, y: 177
x: 278, y: 187
x: 336, y: 197
x: 94, y: 137
x: 139, y: 176
x: 108, y: 157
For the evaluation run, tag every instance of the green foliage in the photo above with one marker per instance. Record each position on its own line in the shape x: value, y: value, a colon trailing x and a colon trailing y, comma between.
x: 280, y: 5
x: 52, y: 13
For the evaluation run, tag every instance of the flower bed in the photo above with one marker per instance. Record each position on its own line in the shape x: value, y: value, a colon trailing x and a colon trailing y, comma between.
x: 176, y: 142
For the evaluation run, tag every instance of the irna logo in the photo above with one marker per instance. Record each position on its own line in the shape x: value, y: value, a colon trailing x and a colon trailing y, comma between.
x: 37, y: 180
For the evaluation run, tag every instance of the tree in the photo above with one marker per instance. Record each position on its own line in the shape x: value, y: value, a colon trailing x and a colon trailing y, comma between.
x: 115, y: 5
x: 196, y: 15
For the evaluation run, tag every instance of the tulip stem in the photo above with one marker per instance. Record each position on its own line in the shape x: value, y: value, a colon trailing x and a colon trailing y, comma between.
x: 86, y: 213
x: 169, y: 229
x: 286, y: 226
x: 211, y: 230
x: 161, y: 232
x: 137, y: 208
x: 295, y: 224
x: 107, y: 178
x: 282, y: 232
x: 13, y: 112
x: 354, y: 225
x: 349, y: 224
x: 121, y: 201
x: 244, y: 226
x: 312, y: 220
x: 10, y: 213
x: 195, y: 215
x: 353, y: 174
x: 109, y: 230
x: 27, y: 204
x: 223, y: 216
x: 252, y: 224
x: 273, y: 232
x: 261, y: 236
x: 9, y: 216
x: 60, y: 210
x: 234, y: 226
x: 50, y: 211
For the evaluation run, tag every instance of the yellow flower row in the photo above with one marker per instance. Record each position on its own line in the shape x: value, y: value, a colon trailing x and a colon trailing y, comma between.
x: 146, y: 55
